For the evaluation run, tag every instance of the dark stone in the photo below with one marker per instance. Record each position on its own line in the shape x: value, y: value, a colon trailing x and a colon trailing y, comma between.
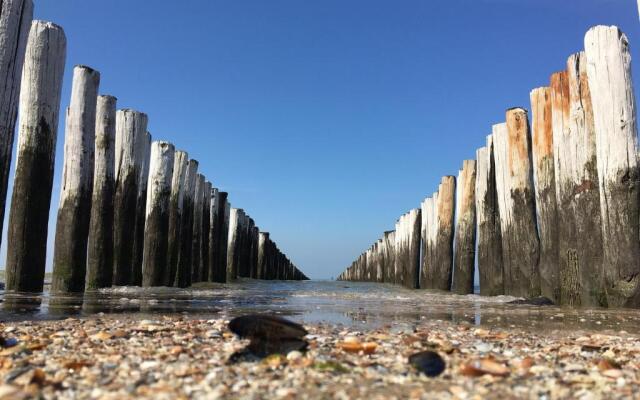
x: 267, y: 335
x: 428, y: 362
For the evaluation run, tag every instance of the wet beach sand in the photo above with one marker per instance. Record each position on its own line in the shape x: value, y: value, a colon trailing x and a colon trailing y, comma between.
x: 165, y: 343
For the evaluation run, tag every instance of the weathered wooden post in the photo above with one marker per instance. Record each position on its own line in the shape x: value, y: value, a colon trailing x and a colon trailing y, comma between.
x: 183, y: 273
x: 196, y: 249
x: 408, y: 249
x: 131, y: 127
x: 156, y: 235
x: 545, y: 190
x: 390, y: 256
x: 31, y: 198
x: 438, y: 261
x: 614, y: 114
x: 143, y: 157
x: 255, y: 232
x: 219, y: 236
x: 100, y: 244
x: 516, y: 204
x: 232, y: 256
x: 15, y: 22
x: 74, y: 211
x: 581, y: 248
x: 490, y: 267
x: 180, y: 162
x: 206, y: 230
x: 263, y: 240
x: 465, y: 230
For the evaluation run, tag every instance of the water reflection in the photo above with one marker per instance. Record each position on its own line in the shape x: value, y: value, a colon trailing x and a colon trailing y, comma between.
x: 365, y: 305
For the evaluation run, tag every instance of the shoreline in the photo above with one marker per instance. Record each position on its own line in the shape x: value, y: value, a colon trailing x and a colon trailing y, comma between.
x: 109, y: 357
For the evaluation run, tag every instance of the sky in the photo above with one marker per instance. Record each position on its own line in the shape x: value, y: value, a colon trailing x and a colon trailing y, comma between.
x: 324, y: 120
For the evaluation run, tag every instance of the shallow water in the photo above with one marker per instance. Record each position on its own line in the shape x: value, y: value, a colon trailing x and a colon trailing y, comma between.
x: 355, y: 304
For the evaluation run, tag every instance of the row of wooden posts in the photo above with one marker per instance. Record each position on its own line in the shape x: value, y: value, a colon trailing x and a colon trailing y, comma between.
x: 549, y: 209
x: 131, y: 211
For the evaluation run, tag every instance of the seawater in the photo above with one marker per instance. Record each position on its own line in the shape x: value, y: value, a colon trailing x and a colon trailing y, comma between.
x: 353, y: 304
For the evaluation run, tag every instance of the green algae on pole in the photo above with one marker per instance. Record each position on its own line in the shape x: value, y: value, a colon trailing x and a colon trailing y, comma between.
x: 38, y: 127
x: 516, y: 203
x: 176, y: 205
x: 543, y: 154
x: 156, y: 233
x: 15, y: 22
x: 614, y: 115
x: 490, y: 266
x: 74, y: 211
x: 100, y: 242
x: 465, y: 229
x: 183, y: 272
x: 131, y: 128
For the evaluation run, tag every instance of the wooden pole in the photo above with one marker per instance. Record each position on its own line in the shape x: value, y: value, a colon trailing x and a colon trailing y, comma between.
x: 74, y: 211
x: 438, y: 251
x: 389, y: 255
x: 206, y: 229
x: 543, y: 153
x: 176, y: 206
x: 408, y: 249
x: 614, y: 114
x: 31, y: 198
x: 156, y: 235
x: 490, y: 266
x: 183, y: 273
x: 100, y: 244
x: 143, y: 159
x: 516, y: 203
x: 263, y: 239
x: 579, y: 222
x: 131, y: 127
x: 219, y: 237
x: 15, y: 22
x: 465, y: 230
x: 196, y: 249
x: 234, y: 232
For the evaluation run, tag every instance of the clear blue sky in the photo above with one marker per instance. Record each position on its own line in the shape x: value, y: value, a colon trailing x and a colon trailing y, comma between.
x: 325, y: 120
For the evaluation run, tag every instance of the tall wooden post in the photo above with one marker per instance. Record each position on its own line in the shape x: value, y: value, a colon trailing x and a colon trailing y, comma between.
x: 131, y: 127
x: 614, y: 115
x: 206, y: 230
x: 490, y: 266
x: 438, y: 261
x: 74, y: 211
x: 31, y: 198
x: 176, y: 205
x: 100, y: 244
x: 144, y: 152
x: 516, y: 203
x: 15, y: 22
x: 408, y: 249
x: 543, y: 153
x: 263, y: 239
x: 183, y: 273
x: 156, y: 233
x: 219, y: 237
x: 234, y: 233
x: 196, y: 249
x: 465, y: 239
x: 389, y: 263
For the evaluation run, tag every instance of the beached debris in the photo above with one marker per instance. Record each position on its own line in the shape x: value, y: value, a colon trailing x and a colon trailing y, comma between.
x: 428, y: 362
x: 268, y: 335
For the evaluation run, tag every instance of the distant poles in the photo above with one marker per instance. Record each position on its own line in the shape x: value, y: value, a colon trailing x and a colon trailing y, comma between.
x: 31, y: 198
x: 131, y: 128
x: 157, y: 214
x: 614, y: 114
x: 465, y: 233
x: 74, y: 212
x: 15, y: 22
x: 100, y: 242
x: 143, y: 152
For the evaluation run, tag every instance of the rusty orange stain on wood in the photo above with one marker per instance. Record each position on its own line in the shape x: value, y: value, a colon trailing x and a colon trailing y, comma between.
x: 542, y: 131
x: 560, y: 95
x: 517, y: 131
